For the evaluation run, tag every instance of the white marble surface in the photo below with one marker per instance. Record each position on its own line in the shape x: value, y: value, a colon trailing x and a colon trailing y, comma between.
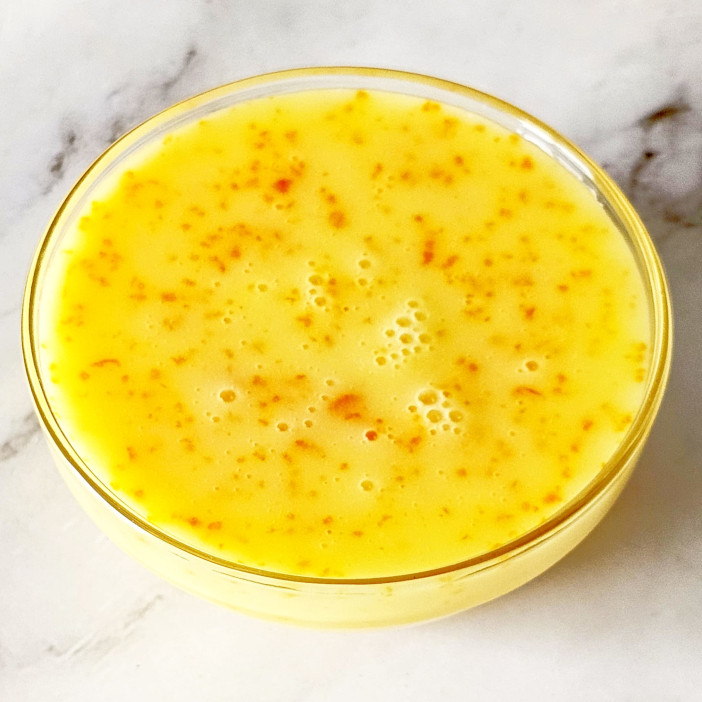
x: 618, y: 619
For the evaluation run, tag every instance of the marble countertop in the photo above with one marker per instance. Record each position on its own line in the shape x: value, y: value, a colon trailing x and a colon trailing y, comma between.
x: 619, y: 618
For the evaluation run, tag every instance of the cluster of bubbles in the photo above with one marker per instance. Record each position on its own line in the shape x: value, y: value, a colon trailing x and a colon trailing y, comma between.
x: 438, y: 411
x: 315, y: 291
x: 407, y: 335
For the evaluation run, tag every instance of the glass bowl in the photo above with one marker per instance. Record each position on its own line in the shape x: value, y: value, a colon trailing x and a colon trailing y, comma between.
x: 352, y: 602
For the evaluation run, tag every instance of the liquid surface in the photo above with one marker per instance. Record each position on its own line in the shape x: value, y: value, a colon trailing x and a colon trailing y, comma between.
x: 345, y: 334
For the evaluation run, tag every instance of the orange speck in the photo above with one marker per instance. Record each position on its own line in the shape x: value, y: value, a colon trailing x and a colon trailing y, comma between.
x: 428, y: 252
x: 282, y: 185
x: 347, y: 406
x: 337, y: 219
x: 526, y: 390
x: 371, y: 435
x: 188, y: 444
x: 527, y: 164
x: 219, y: 263
x: 449, y: 261
x: 214, y: 526
x: 105, y: 362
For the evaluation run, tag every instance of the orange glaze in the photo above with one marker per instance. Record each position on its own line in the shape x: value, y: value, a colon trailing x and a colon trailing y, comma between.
x: 346, y: 334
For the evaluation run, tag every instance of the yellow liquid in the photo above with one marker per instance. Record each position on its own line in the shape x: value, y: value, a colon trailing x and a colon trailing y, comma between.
x: 345, y: 334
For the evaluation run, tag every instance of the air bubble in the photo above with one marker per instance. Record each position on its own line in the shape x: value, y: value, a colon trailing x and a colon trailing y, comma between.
x: 320, y: 301
x: 227, y: 320
x: 532, y: 365
x: 420, y: 316
x: 381, y: 360
x: 390, y: 333
x: 364, y: 263
x: 282, y: 426
x: 434, y: 416
x: 403, y: 321
x: 455, y: 416
x: 366, y: 485
x: 406, y: 338
x: 262, y: 287
x: 362, y: 281
x: 316, y: 279
x: 227, y: 395
x: 427, y: 397
x: 424, y: 338
x: 308, y: 423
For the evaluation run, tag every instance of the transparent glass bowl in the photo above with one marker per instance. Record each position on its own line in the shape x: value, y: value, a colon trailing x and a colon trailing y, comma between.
x: 371, y: 601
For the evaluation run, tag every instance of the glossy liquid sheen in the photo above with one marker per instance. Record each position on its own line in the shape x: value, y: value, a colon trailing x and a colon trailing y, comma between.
x: 345, y: 334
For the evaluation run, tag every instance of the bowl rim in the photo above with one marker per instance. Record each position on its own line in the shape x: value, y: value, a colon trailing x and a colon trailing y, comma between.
x: 651, y: 270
